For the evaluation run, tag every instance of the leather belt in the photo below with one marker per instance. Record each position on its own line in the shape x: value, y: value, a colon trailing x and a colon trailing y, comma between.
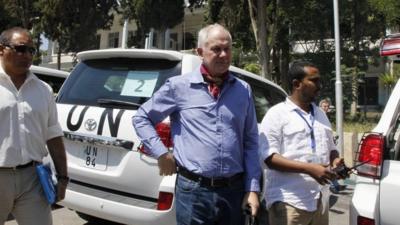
x: 209, y: 182
x: 29, y: 164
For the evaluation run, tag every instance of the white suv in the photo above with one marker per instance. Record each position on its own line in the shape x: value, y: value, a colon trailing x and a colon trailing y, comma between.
x: 55, y: 78
x: 377, y: 189
x: 111, y: 175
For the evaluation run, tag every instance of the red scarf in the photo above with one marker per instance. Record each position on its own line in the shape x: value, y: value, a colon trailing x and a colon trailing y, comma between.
x: 214, y: 82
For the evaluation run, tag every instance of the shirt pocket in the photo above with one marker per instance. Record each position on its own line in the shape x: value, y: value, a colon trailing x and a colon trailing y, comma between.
x: 324, y: 140
x: 296, y: 138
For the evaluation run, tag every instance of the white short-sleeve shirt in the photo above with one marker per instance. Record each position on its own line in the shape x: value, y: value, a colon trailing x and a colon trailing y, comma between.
x: 283, y: 131
x: 28, y: 119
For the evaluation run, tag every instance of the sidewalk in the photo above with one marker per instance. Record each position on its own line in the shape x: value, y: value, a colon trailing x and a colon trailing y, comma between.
x: 340, y: 204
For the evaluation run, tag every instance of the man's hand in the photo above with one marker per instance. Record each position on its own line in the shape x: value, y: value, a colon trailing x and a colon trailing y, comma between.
x: 61, y: 188
x: 251, y: 200
x: 341, y: 170
x: 322, y: 174
x: 166, y: 164
x: 337, y: 162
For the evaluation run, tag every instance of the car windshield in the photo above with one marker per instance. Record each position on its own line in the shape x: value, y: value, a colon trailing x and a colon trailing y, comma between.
x: 116, y: 82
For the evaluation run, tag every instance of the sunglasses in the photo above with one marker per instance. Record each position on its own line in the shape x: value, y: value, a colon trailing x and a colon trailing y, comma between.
x: 22, y: 49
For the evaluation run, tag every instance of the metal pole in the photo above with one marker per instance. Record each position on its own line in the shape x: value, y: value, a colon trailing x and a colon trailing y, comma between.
x: 125, y: 34
x: 338, y: 83
x: 124, y: 39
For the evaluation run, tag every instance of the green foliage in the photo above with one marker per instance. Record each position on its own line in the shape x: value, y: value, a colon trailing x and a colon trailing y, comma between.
x: 73, y: 24
x: 389, y: 9
x: 388, y: 80
x: 253, y: 67
x: 235, y: 16
x: 310, y: 20
x: 350, y: 77
x: 214, y: 11
x: 6, y: 19
x: 26, y: 12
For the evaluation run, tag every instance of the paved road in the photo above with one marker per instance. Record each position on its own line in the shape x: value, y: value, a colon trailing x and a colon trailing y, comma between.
x: 339, y: 207
x: 339, y: 212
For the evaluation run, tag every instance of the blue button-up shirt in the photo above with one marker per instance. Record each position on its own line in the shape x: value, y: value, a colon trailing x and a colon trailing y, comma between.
x: 212, y: 137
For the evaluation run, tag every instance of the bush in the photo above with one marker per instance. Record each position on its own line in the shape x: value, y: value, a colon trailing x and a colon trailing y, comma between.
x: 253, y: 67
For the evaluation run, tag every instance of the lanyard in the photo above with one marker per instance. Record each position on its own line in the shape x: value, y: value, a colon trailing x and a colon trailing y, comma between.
x: 309, y: 126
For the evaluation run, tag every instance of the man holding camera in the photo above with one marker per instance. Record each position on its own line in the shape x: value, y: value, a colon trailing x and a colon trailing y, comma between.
x: 297, y: 146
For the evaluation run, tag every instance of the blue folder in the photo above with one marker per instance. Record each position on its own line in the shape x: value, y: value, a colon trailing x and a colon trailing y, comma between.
x: 49, y: 188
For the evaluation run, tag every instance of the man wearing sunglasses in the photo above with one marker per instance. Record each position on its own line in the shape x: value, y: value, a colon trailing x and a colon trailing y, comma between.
x: 29, y: 123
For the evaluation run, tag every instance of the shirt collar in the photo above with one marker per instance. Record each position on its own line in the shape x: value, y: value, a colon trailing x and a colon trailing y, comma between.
x: 196, y: 77
x: 292, y: 106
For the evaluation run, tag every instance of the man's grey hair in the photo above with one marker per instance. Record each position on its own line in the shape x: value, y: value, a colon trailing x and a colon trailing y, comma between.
x: 204, y: 32
x: 324, y: 100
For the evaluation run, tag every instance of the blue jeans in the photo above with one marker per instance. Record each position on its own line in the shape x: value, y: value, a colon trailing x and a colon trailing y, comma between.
x: 196, y: 204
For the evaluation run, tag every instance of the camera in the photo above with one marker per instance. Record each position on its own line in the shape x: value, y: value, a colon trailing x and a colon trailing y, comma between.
x: 342, y: 171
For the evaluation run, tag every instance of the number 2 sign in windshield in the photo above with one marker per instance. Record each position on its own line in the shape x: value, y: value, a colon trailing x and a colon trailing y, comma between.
x: 140, y: 84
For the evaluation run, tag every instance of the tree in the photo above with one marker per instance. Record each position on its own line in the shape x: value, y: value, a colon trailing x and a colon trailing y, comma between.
x: 389, y: 9
x: 157, y: 14
x: 6, y: 19
x: 25, y: 10
x: 362, y: 26
x: 24, y: 13
x: 259, y: 22
x: 234, y: 15
x: 73, y: 24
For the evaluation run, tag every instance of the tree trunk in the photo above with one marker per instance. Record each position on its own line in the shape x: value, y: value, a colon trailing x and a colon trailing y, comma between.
x: 37, y: 57
x: 356, y: 43
x: 285, y: 58
x: 354, y: 92
x: 257, y: 10
x: 59, y: 58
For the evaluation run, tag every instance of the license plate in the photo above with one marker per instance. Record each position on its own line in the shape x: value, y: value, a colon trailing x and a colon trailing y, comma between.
x: 94, y: 157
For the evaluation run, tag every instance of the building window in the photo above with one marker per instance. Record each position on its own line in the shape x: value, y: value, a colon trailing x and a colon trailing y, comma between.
x: 188, y: 41
x: 98, y: 39
x: 173, y: 40
x: 368, y: 91
x: 132, y: 39
x: 155, y: 41
x: 113, y: 40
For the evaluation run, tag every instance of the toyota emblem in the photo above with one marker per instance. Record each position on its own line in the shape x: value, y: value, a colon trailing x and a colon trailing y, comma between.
x: 90, y: 124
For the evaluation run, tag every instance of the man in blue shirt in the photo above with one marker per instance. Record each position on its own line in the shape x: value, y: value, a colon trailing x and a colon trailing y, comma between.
x: 215, y: 136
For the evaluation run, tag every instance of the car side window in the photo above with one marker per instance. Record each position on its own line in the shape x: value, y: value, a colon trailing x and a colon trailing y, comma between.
x: 264, y: 95
x: 53, y: 81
